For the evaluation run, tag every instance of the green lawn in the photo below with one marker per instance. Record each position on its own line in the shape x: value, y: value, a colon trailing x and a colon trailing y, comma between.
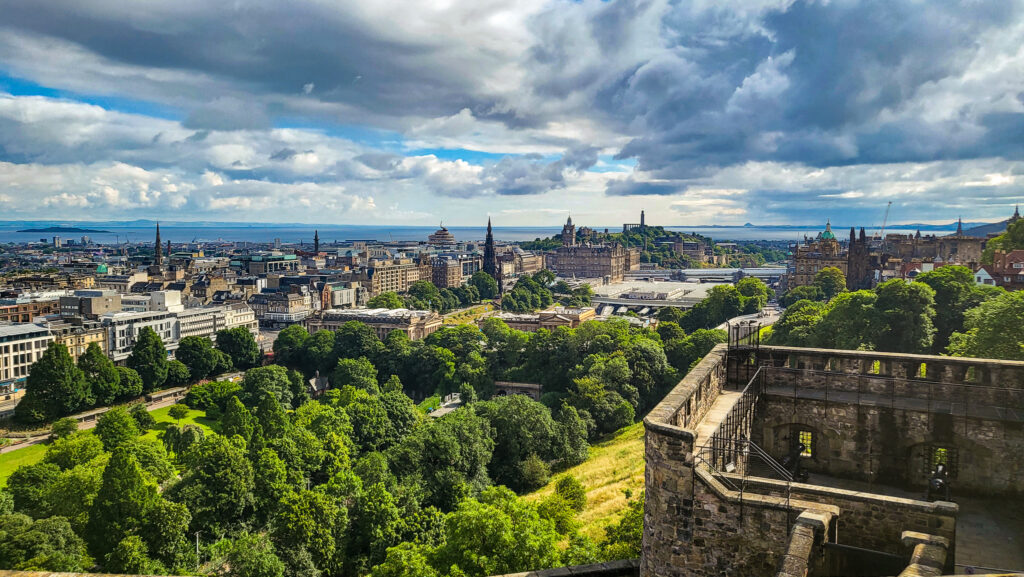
x: 163, y: 421
x: 33, y: 454
x: 614, y: 466
x: 11, y: 461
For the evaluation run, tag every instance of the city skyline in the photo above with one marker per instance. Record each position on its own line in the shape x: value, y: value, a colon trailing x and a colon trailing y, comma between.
x: 409, y: 113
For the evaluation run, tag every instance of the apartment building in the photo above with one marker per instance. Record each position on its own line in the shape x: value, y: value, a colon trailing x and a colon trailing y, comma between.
x: 20, y: 346
x: 123, y: 330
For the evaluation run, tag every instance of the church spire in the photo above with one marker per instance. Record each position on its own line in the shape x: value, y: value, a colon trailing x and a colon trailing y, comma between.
x: 159, y: 256
x: 316, y: 241
x: 959, y: 226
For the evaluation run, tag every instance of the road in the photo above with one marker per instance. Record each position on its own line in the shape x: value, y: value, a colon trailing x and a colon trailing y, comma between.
x: 767, y: 316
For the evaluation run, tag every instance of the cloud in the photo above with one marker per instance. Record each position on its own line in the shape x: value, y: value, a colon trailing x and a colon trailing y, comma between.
x: 806, y: 106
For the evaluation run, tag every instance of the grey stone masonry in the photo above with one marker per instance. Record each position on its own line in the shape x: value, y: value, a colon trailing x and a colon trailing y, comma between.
x: 928, y: 557
x: 808, y: 533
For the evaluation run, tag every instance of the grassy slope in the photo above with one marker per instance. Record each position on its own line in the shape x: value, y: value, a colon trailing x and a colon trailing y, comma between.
x: 33, y: 454
x: 614, y: 465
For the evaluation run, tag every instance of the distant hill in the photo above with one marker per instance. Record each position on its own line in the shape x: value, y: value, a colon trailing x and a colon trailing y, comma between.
x: 986, y: 229
x: 62, y: 229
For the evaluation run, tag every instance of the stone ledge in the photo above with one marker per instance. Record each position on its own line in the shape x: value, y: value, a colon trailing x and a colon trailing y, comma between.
x: 872, y: 355
x: 624, y: 568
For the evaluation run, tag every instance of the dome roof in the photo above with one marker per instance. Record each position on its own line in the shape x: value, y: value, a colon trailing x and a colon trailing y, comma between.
x: 828, y: 234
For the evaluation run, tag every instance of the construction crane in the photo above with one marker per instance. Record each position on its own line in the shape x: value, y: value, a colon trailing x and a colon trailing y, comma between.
x: 885, y: 221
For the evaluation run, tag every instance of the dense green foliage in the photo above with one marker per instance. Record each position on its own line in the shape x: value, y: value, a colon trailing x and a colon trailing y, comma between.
x: 723, y: 302
x: 424, y: 295
x: 359, y: 481
x: 656, y: 246
x: 149, y: 359
x: 1012, y: 239
x: 941, y: 310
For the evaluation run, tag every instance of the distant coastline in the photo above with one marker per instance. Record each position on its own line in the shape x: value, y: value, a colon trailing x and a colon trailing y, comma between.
x: 65, y: 229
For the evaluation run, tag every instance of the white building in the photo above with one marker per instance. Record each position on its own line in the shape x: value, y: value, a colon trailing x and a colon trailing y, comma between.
x: 123, y: 330
x: 20, y: 346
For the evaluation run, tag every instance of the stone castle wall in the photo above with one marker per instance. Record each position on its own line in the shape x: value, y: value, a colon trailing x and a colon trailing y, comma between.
x: 880, y: 417
x: 697, y: 523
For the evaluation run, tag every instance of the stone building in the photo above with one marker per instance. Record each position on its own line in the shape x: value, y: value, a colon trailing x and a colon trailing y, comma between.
x: 813, y: 255
x: 956, y: 248
x: 415, y: 324
x: 810, y: 462
x: 75, y: 333
x: 605, y: 261
x: 859, y: 273
x: 396, y: 275
x: 548, y: 319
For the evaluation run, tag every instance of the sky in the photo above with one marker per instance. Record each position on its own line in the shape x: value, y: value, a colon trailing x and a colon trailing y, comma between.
x: 526, y: 111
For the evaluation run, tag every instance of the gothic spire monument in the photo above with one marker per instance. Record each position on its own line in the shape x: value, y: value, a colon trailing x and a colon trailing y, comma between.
x: 316, y: 241
x: 490, y: 256
x: 158, y: 259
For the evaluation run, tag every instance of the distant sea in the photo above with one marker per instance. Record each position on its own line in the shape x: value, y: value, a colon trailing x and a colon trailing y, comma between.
x: 181, y: 233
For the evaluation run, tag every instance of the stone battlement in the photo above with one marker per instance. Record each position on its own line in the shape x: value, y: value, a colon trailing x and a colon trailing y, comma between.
x: 861, y: 415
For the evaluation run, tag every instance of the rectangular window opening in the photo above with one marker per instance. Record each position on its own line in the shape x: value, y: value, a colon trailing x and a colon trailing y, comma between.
x: 806, y: 438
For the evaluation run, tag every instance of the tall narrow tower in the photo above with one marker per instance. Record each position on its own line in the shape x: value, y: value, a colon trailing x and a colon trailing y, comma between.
x: 168, y: 250
x: 490, y: 256
x: 569, y: 233
x: 159, y: 260
x: 316, y: 241
x: 960, y: 226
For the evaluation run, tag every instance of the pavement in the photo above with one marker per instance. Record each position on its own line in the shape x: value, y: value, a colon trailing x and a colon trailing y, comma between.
x: 81, y: 427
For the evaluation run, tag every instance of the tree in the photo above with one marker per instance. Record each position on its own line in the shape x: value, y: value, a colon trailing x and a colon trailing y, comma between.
x: 311, y: 521
x: 754, y: 292
x: 449, y: 455
x: 177, y: 412
x: 954, y: 293
x: 212, y: 395
x: 240, y: 346
x: 905, y: 312
x: 796, y: 294
x: 237, y: 420
x: 120, y: 508
x: 198, y: 354
x: 217, y: 488
x: 1012, y: 239
x: 149, y: 359
x: 289, y: 345
x: 28, y: 485
x: 55, y: 387
x: 359, y: 373
x: 273, y: 379
x: 273, y: 422
x: 131, y: 555
x: 830, y: 281
x: 130, y: 382
x: 143, y: 419
x: 406, y: 560
x: 386, y: 300
x: 796, y: 327
x: 498, y: 534
x: 850, y: 322
x: 43, y: 545
x: 570, y: 489
x: 115, y: 428
x: 103, y: 379
x: 993, y: 329
x: 524, y: 434
x: 485, y: 284
x: 62, y: 428
x: 318, y: 353
x: 253, y: 555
